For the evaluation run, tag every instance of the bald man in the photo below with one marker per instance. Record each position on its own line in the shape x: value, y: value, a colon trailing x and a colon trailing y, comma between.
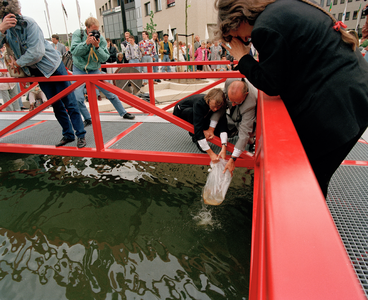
x: 241, y: 100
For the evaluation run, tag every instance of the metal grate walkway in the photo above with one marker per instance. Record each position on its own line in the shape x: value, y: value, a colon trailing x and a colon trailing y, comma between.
x: 348, y: 203
x: 152, y: 133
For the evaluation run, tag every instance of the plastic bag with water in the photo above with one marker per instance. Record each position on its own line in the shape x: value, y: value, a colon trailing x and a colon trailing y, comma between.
x: 217, y: 183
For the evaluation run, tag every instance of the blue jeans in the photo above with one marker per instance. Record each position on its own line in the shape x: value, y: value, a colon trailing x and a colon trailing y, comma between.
x: 166, y: 59
x: 136, y: 61
x: 155, y: 68
x: 144, y: 59
x: 66, y: 110
x: 80, y: 96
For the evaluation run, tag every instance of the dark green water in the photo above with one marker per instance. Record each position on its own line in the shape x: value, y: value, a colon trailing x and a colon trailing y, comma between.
x: 81, y: 228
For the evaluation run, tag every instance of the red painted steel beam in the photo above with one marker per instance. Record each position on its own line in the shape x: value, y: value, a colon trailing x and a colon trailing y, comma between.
x: 141, y: 104
x: 156, y: 156
x: 24, y: 128
x: 355, y: 163
x: 6, y: 104
x: 297, y: 252
x: 43, y: 106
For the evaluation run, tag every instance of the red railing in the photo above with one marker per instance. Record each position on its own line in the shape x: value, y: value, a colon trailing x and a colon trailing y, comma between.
x: 102, y: 150
x: 297, y: 252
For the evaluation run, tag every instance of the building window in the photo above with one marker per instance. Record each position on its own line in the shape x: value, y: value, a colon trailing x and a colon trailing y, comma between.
x: 347, y: 16
x: 147, y: 7
x: 322, y: 3
x: 158, y: 5
x: 170, y: 3
x: 350, y: 0
x: 339, y: 17
x: 328, y: 2
x: 355, y: 15
x: 100, y: 12
x: 335, y: 2
x: 342, y: 1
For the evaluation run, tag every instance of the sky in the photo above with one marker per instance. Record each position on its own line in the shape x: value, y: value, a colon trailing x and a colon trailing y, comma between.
x: 36, y: 9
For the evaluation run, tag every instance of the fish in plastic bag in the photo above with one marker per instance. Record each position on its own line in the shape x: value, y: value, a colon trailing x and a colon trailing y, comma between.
x: 217, y: 183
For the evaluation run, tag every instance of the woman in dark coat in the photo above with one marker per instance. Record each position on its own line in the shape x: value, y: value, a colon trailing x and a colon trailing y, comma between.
x: 307, y: 58
x: 197, y: 110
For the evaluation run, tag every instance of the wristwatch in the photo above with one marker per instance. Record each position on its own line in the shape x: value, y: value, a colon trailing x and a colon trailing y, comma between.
x: 234, y: 158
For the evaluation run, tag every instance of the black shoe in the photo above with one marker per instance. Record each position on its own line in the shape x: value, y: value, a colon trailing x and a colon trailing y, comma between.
x: 158, y: 80
x: 81, y: 142
x: 64, y: 141
x: 22, y: 108
x: 87, y: 122
x: 128, y: 116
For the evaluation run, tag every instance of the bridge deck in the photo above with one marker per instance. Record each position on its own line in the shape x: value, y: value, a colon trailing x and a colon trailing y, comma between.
x: 146, y: 134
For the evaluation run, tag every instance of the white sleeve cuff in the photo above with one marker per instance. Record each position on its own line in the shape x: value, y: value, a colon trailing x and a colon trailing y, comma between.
x: 213, y: 124
x: 204, y: 145
x: 236, y: 152
x: 223, y: 137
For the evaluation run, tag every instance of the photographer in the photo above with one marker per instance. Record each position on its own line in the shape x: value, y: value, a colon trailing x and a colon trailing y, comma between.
x: 35, y: 56
x: 89, y: 49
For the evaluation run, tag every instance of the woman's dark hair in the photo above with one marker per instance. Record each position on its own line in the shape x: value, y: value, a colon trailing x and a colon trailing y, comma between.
x: 232, y: 12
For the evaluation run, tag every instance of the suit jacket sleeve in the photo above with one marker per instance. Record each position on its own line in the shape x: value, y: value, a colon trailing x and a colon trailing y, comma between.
x: 269, y: 74
x: 199, y: 112
x: 245, y: 127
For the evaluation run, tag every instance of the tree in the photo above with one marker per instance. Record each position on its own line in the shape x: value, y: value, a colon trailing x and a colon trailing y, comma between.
x: 151, y: 27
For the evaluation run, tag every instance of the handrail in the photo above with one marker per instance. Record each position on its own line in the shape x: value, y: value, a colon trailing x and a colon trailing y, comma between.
x: 297, y: 252
x: 102, y: 150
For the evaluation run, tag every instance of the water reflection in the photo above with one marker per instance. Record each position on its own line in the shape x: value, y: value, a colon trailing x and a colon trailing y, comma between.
x: 81, y: 228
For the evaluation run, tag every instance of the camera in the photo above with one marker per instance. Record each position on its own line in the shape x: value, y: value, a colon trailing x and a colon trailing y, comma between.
x: 21, y: 21
x: 95, y: 34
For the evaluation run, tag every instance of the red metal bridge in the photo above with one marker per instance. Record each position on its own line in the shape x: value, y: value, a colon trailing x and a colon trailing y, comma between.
x: 302, y: 246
